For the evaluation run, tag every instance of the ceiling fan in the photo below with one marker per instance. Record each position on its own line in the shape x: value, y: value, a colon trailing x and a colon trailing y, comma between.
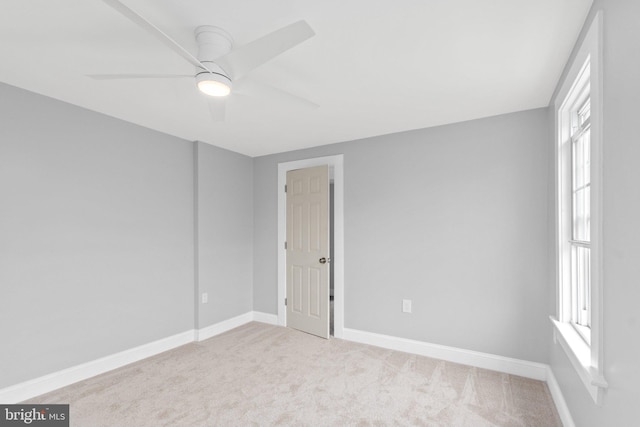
x: 219, y: 65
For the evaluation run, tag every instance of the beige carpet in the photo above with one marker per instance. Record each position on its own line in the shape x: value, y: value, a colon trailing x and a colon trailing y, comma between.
x: 259, y: 374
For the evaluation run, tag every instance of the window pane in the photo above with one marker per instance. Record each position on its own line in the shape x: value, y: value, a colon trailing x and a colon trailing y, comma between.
x: 581, y: 187
x: 581, y: 216
x: 586, y: 141
x: 585, y: 112
x: 587, y: 214
x: 581, y: 285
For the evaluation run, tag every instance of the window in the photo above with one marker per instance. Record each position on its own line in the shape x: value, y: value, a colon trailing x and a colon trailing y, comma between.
x: 580, y: 221
x: 578, y: 326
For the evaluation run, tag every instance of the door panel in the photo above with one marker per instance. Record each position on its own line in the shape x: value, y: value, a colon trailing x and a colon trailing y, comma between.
x: 315, y: 292
x: 296, y: 300
x: 315, y: 235
x: 307, y: 243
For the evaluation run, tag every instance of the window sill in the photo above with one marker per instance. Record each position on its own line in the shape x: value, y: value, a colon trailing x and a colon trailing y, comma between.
x: 579, y: 353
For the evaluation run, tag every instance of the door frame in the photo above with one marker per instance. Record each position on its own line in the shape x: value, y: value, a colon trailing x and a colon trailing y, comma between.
x: 336, y: 172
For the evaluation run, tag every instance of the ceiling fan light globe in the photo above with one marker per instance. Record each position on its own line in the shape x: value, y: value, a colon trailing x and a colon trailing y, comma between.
x: 213, y: 88
x: 213, y: 84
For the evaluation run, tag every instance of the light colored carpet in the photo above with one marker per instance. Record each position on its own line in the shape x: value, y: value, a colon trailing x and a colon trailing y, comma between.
x: 260, y: 374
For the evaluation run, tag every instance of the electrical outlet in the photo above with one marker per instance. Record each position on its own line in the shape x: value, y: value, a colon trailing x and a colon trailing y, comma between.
x: 406, y: 306
x: 205, y: 297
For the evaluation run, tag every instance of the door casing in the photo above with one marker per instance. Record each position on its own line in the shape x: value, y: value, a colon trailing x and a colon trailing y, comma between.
x: 336, y: 173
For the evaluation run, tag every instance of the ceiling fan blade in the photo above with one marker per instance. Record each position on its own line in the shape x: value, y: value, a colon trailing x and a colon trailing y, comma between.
x: 218, y: 109
x: 266, y: 91
x: 245, y: 58
x: 154, y: 31
x: 137, y: 76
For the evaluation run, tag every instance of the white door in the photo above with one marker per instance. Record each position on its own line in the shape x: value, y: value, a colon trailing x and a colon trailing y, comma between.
x: 308, y: 250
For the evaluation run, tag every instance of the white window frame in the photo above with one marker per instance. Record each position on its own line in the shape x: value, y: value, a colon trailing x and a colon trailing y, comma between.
x: 572, y: 132
x: 585, y: 355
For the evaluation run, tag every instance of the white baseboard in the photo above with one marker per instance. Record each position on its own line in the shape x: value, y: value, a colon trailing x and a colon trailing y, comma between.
x: 224, y: 326
x: 507, y: 365
x: 558, y: 399
x: 271, y: 319
x: 32, y: 388
x: 234, y: 322
x: 35, y: 387
x: 29, y: 389
x: 523, y: 368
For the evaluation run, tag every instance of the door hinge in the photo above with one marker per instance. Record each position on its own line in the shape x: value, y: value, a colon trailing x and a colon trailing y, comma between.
x: 285, y: 245
x: 285, y: 301
x: 285, y: 188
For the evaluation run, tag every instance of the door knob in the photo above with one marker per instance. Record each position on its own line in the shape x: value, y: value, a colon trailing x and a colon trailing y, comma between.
x: 322, y: 260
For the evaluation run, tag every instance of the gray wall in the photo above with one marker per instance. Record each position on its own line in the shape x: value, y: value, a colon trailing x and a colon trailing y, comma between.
x: 225, y: 233
x: 453, y: 217
x: 621, y: 53
x: 96, y: 235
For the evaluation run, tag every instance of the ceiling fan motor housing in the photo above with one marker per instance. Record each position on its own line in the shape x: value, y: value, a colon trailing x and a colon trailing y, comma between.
x: 213, y: 42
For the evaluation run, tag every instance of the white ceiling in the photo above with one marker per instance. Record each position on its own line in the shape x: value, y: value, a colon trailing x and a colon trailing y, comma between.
x: 374, y: 67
